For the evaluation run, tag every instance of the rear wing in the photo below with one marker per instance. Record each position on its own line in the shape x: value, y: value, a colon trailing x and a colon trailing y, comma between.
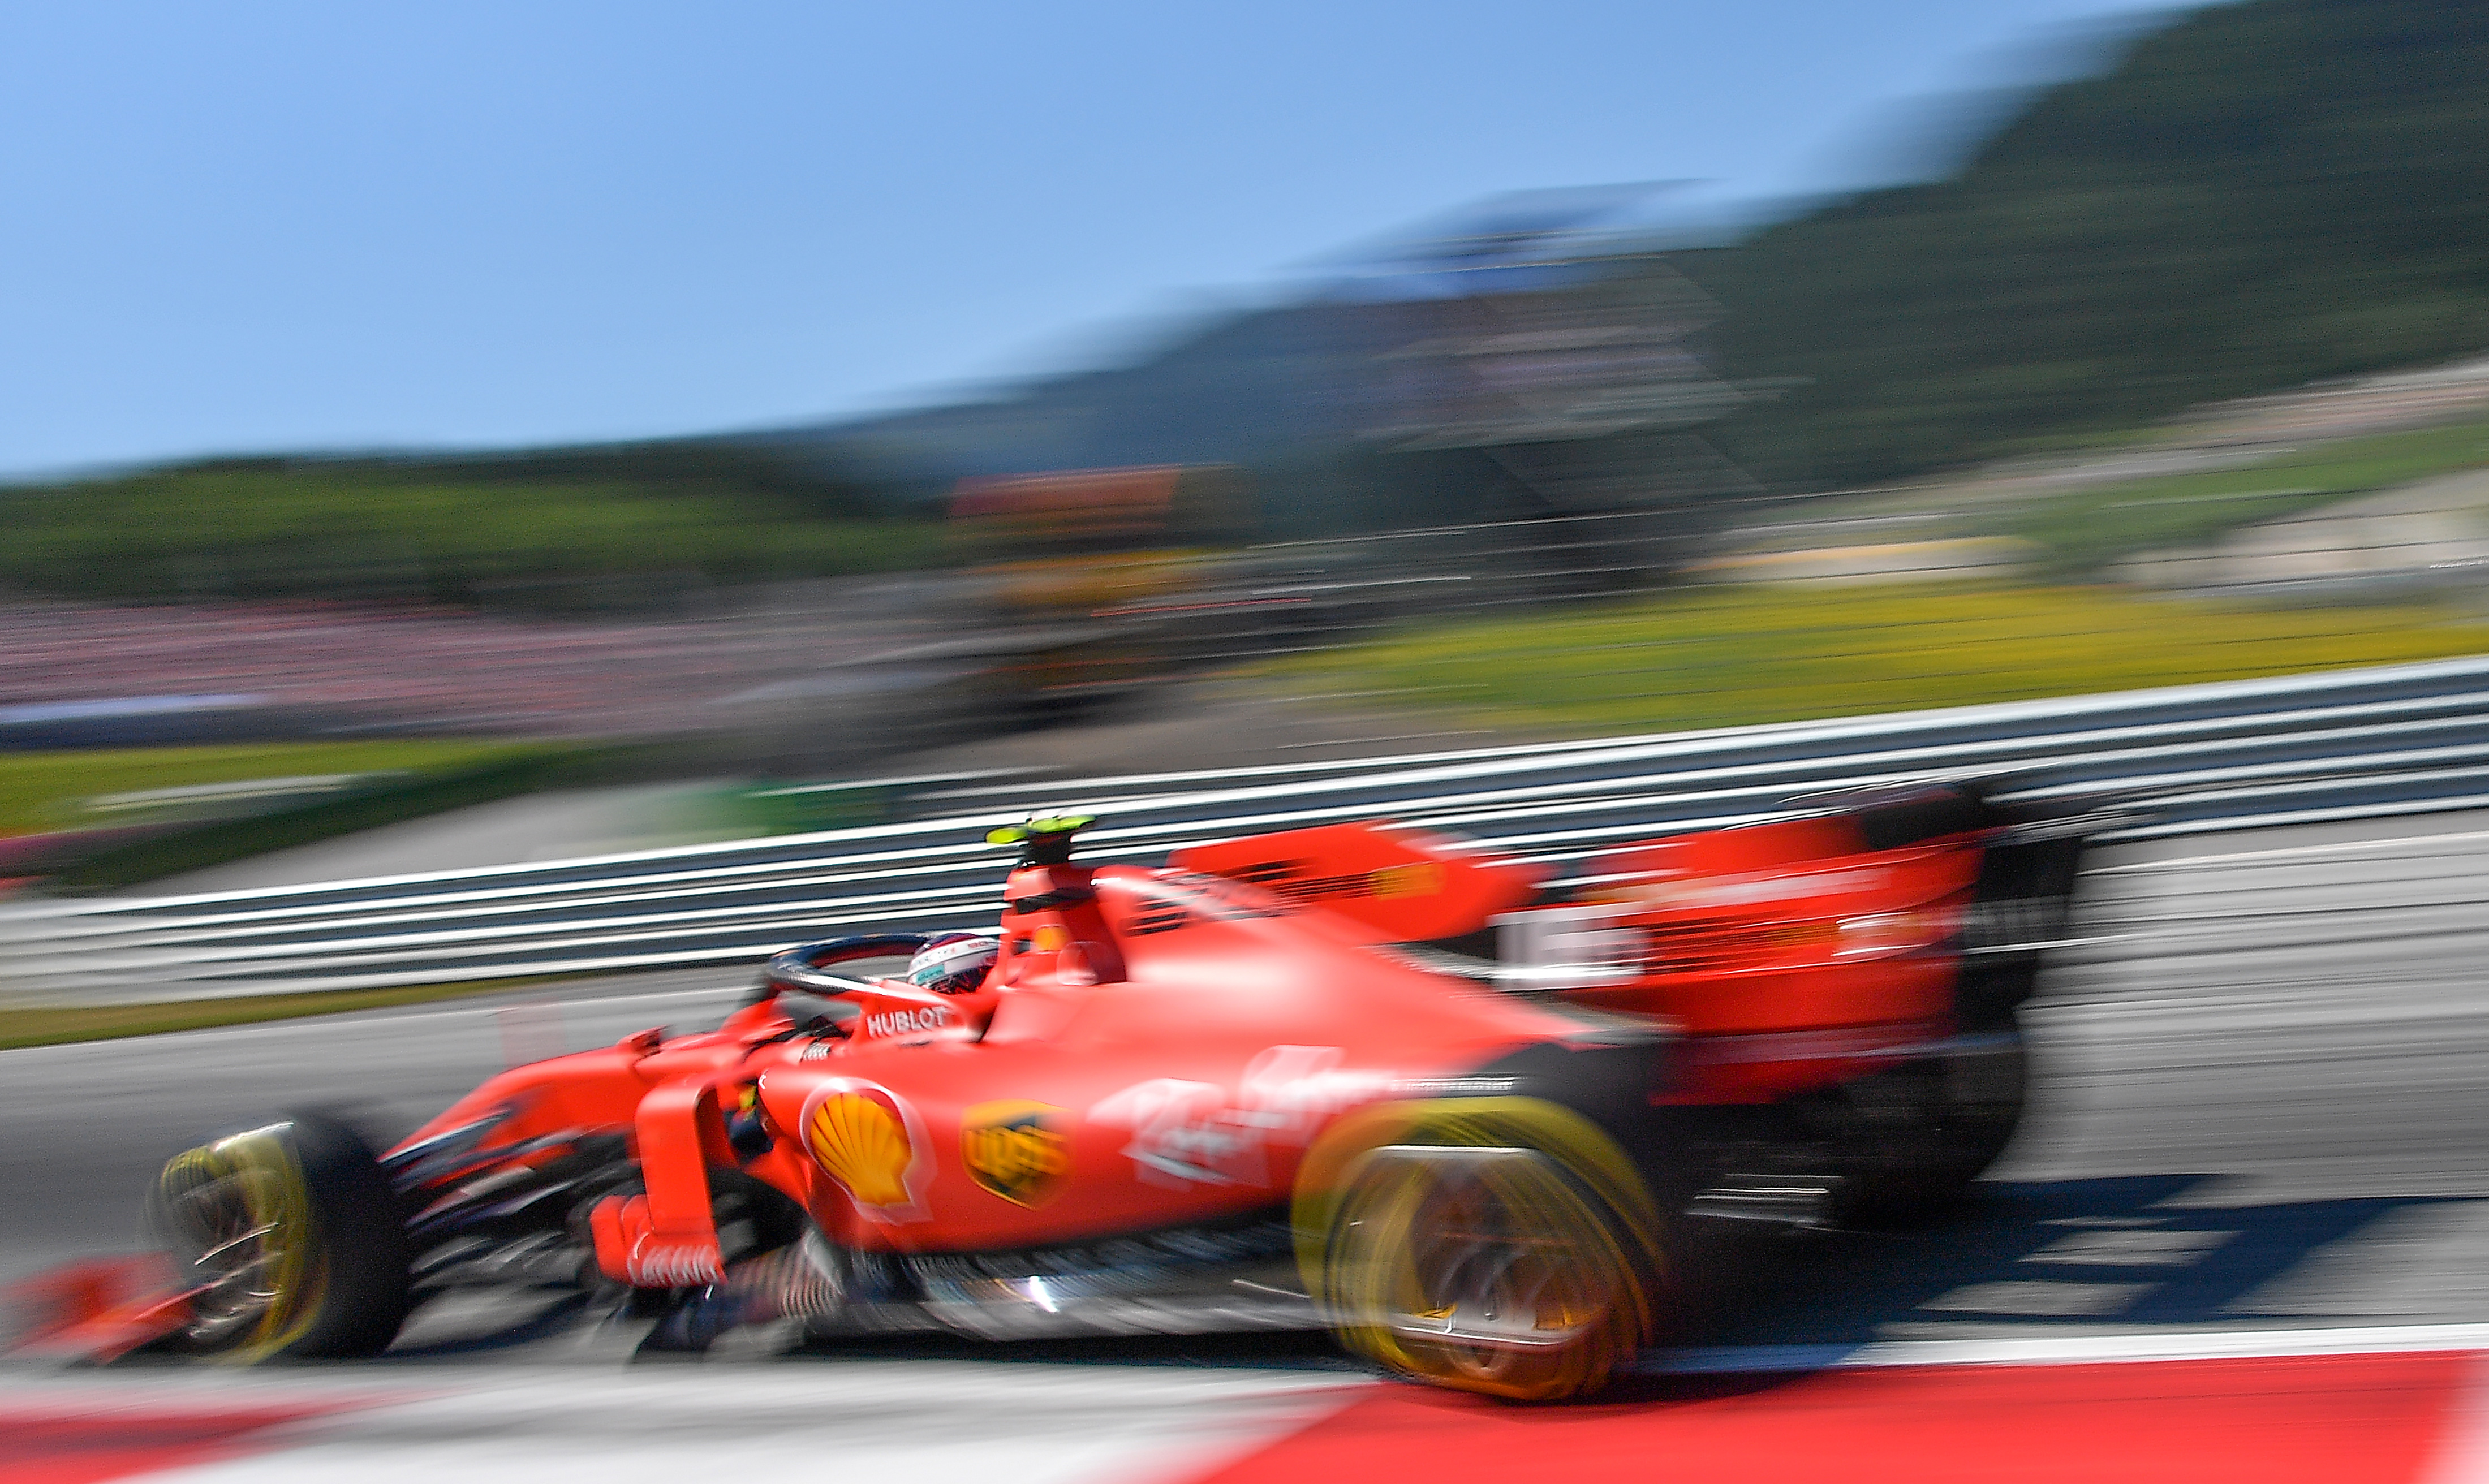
x: 1406, y: 885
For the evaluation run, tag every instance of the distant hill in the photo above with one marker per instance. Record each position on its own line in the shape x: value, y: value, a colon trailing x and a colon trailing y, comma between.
x: 2253, y: 197
x: 1358, y: 412
x: 2258, y: 195
x: 601, y: 526
x: 1237, y: 388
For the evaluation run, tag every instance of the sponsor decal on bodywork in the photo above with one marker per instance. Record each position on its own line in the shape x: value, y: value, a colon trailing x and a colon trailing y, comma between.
x: 1735, y: 892
x: 908, y: 1022
x: 1571, y: 947
x: 1218, y: 898
x: 1415, y: 879
x: 1187, y: 1133
x: 1018, y: 1151
x: 870, y: 1140
x: 1604, y: 944
x: 1183, y: 897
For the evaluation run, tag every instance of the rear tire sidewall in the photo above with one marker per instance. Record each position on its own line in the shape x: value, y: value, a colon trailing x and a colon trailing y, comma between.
x: 1374, y: 1230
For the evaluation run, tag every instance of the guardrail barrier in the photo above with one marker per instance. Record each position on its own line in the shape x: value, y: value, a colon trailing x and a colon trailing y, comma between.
x: 2190, y: 760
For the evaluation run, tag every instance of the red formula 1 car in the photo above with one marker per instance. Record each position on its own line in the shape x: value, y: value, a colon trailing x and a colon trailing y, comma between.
x: 1285, y: 1081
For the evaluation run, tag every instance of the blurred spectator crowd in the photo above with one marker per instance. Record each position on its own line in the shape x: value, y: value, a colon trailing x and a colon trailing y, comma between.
x: 434, y: 668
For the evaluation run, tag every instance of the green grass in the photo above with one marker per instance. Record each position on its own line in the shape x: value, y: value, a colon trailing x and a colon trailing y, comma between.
x: 39, y: 790
x: 2085, y: 529
x: 1734, y: 656
x: 52, y: 1027
x: 350, y: 529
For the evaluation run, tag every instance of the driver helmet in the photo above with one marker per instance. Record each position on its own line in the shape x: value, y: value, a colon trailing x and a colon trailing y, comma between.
x: 953, y: 963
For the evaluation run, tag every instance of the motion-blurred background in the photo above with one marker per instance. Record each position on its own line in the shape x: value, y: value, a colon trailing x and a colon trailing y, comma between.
x: 685, y: 426
x: 537, y: 507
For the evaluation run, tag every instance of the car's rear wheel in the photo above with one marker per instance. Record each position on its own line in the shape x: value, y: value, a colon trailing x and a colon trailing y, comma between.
x: 1481, y: 1251
x: 291, y: 1235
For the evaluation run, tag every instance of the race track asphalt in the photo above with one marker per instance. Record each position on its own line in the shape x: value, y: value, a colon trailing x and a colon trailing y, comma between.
x: 2264, y: 1103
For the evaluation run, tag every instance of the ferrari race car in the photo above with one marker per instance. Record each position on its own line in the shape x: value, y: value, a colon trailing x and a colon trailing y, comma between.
x: 1360, y: 1077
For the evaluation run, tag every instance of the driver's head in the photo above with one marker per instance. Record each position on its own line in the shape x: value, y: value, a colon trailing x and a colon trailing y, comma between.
x: 953, y: 963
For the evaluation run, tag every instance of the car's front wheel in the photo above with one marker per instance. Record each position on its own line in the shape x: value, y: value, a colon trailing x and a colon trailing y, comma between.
x: 292, y: 1238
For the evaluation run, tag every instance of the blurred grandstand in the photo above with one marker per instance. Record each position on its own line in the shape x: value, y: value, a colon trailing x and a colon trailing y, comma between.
x: 79, y: 672
x: 1498, y: 407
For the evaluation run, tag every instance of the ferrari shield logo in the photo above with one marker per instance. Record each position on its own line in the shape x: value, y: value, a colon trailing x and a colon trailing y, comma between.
x: 1016, y: 1150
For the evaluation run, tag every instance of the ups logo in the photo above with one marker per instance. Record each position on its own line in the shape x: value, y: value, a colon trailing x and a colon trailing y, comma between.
x: 1016, y: 1150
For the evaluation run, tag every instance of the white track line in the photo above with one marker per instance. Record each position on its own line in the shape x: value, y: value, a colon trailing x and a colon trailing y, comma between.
x: 2072, y: 1348
x: 2462, y: 1456
x: 925, y: 1422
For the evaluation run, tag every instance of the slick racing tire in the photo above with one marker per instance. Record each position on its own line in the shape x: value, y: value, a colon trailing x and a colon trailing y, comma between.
x: 293, y: 1237
x: 1498, y: 1245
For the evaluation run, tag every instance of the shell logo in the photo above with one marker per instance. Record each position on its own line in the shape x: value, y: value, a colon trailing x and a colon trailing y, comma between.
x: 867, y: 1138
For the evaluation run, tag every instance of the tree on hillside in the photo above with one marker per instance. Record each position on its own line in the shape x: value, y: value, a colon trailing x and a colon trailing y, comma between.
x: 2258, y: 195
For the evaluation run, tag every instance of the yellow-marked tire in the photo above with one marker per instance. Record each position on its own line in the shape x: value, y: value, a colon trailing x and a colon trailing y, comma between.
x: 293, y: 1236
x: 1502, y: 1246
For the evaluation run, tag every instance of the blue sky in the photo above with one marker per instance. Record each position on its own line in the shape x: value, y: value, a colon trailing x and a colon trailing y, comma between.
x: 255, y: 226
